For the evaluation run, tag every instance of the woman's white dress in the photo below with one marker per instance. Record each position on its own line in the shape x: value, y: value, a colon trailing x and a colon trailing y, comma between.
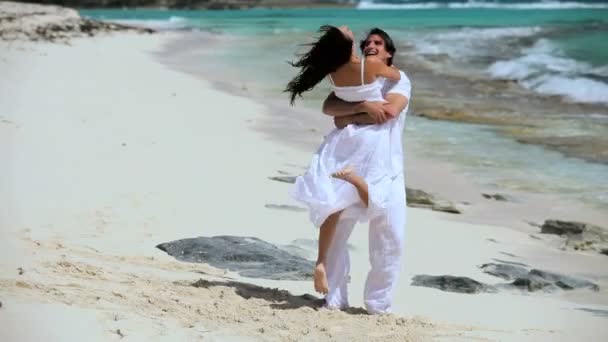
x: 365, y: 148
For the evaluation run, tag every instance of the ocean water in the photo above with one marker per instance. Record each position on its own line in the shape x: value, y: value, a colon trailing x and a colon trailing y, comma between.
x: 551, y: 48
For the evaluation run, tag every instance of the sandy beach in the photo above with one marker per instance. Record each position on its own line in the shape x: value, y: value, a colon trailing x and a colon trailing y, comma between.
x: 108, y: 150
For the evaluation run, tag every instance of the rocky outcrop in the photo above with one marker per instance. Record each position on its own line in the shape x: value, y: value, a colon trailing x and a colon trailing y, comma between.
x: 496, y: 197
x: 198, y: 4
x: 505, y: 271
x: 249, y: 256
x: 50, y: 23
x: 452, y: 284
x: 520, y: 278
x: 578, y: 235
x: 562, y: 227
x: 284, y: 179
x: 534, y: 280
x: 420, y: 199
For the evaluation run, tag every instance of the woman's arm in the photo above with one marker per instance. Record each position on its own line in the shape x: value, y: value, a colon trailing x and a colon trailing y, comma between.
x: 380, y: 69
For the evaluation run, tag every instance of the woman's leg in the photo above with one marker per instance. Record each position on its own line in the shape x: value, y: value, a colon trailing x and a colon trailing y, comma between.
x: 349, y: 174
x: 326, y: 235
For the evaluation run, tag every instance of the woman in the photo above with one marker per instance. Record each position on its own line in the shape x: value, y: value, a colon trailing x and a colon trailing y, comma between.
x: 350, y: 171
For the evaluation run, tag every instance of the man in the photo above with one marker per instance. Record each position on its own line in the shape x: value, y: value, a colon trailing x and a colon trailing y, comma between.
x: 386, y: 231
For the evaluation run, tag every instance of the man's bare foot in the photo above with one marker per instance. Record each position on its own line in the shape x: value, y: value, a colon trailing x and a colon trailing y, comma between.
x: 320, y: 279
x: 346, y: 174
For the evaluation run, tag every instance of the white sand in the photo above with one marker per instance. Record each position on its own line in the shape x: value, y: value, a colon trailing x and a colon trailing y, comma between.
x: 107, y: 153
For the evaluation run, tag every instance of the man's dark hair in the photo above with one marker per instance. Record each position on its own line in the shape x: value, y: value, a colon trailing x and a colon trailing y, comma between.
x: 388, y: 43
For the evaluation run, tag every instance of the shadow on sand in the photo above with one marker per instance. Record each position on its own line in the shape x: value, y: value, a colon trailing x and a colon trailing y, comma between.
x: 279, y: 299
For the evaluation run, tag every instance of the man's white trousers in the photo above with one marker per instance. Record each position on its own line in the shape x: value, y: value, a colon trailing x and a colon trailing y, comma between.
x: 386, y: 241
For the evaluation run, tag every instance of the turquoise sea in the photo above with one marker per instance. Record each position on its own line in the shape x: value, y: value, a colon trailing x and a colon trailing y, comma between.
x: 557, y: 50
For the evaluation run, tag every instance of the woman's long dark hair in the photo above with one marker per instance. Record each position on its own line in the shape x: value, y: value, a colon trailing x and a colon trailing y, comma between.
x: 327, y: 54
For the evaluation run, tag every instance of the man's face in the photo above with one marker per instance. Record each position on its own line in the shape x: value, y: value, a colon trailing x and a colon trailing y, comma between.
x: 374, y: 46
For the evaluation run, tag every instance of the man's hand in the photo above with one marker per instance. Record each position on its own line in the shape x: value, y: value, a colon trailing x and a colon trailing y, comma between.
x: 343, y: 121
x: 355, y: 119
x: 375, y: 110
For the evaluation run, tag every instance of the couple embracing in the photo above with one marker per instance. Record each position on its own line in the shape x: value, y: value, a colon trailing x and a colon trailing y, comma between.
x: 356, y: 175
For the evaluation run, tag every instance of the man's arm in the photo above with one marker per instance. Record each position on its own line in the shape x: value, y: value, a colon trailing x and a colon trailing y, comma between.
x: 397, y: 100
x: 395, y: 105
x: 333, y: 106
x: 357, y: 119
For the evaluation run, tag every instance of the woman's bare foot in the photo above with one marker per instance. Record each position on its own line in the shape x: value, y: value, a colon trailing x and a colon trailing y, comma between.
x: 320, y: 279
x: 349, y: 174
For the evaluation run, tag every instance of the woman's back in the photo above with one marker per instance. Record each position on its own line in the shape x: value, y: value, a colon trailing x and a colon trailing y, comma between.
x: 352, y: 83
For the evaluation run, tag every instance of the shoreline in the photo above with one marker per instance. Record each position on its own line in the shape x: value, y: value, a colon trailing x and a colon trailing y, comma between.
x: 302, y: 128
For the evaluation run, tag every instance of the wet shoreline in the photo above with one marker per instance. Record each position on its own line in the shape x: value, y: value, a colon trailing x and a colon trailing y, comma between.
x: 516, y: 112
x: 303, y: 127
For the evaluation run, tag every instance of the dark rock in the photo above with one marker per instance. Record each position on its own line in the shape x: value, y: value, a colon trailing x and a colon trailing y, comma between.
x: 604, y: 251
x: 596, y: 312
x: 522, y: 279
x: 578, y: 235
x: 452, y: 284
x: 593, y: 238
x: 510, y: 262
x: 497, y: 197
x: 537, y: 280
x: 420, y: 199
x: 286, y: 179
x: 534, y: 280
x: 562, y: 227
x: 284, y: 207
x: 564, y: 282
x: 249, y: 256
x: 446, y: 207
x: 507, y: 272
x: 532, y: 284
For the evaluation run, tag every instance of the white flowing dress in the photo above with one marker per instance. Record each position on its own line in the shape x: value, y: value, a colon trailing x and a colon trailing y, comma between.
x: 365, y: 148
